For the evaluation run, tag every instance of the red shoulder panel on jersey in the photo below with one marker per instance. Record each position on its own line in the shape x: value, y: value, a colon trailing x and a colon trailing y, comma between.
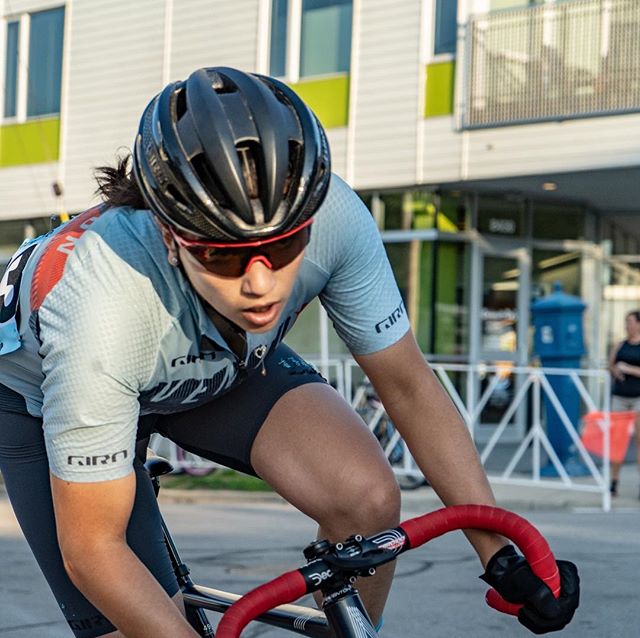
x: 54, y: 257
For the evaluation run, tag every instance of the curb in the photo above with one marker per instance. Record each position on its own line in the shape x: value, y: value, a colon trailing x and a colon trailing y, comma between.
x: 418, y: 501
x: 174, y: 495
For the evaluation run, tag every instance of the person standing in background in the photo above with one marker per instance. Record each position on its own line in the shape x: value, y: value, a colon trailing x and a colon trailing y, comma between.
x: 624, y: 365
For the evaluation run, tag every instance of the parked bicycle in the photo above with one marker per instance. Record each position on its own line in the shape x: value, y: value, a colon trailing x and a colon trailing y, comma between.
x: 181, y: 460
x: 333, y: 568
x: 367, y: 404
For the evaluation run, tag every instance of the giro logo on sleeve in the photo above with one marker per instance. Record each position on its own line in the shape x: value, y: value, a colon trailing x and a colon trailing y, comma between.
x: 391, y: 320
x: 99, y: 459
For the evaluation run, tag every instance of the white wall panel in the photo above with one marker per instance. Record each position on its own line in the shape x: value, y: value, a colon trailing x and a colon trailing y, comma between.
x: 338, y: 145
x: 594, y: 143
x: 14, y: 7
x: 387, y: 94
x: 26, y: 191
x: 115, y: 67
x: 209, y: 33
x: 441, y: 151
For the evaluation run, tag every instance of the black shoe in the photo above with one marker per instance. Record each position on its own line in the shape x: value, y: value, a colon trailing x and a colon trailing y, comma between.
x: 614, y: 487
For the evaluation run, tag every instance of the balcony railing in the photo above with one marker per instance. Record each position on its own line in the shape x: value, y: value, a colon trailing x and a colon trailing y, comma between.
x: 552, y: 62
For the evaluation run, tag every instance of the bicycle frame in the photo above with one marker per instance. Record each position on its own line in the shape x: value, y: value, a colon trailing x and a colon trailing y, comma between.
x: 345, y: 613
x: 333, y: 568
x: 306, y: 621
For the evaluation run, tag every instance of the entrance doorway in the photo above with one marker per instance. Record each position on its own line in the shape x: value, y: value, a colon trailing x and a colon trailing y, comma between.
x: 501, y: 281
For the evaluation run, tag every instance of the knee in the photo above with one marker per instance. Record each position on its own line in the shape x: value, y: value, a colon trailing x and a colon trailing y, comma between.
x: 367, y: 505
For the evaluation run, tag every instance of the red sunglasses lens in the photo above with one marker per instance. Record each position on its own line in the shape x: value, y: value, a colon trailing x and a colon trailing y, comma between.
x: 233, y: 262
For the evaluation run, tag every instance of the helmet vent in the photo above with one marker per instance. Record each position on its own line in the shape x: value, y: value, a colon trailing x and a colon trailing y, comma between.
x: 247, y: 155
x: 175, y: 193
x: 181, y: 103
x: 206, y: 176
x: 293, y: 170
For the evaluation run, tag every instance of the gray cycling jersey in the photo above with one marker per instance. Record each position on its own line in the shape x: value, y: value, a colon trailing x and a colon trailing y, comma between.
x: 106, y: 329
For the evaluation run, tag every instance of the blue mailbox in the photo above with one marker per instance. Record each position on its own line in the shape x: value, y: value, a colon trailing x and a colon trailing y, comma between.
x: 559, y: 342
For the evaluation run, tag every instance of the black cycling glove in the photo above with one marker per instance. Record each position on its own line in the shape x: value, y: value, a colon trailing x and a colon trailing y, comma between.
x: 510, y: 575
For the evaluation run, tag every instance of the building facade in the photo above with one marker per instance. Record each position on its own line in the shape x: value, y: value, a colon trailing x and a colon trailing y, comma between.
x: 494, y: 141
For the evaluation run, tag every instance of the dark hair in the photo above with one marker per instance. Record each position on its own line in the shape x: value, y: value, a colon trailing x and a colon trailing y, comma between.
x: 635, y: 314
x: 117, y: 185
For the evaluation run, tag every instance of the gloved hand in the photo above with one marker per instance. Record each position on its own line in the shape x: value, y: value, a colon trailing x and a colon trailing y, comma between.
x: 510, y: 575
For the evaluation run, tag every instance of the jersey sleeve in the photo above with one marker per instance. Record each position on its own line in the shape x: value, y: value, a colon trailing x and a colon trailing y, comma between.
x: 361, y: 295
x: 97, y: 344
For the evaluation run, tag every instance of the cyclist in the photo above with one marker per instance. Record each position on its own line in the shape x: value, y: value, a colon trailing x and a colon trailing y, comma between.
x: 164, y: 309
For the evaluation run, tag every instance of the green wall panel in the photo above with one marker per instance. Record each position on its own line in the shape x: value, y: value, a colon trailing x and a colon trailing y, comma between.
x: 328, y: 98
x: 30, y: 143
x: 439, y: 89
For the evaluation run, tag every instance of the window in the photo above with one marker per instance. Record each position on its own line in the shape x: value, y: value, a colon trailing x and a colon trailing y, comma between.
x: 561, y: 221
x: 38, y: 69
x: 45, y: 62
x: 446, y: 27
x: 11, y: 69
x: 278, y: 48
x: 319, y: 29
x: 325, y: 43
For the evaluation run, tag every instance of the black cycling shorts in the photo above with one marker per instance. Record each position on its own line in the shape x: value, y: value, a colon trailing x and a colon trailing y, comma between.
x: 222, y: 430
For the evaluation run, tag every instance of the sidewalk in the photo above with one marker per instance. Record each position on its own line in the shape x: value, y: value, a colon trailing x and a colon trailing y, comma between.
x: 513, y: 497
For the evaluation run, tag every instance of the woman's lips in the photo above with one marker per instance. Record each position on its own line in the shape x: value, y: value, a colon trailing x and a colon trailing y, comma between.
x: 261, y: 315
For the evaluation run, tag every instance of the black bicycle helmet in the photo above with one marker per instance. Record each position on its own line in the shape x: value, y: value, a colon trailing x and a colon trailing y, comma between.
x: 231, y: 156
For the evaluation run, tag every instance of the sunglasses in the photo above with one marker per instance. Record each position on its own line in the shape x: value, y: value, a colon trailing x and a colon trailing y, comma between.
x: 233, y: 260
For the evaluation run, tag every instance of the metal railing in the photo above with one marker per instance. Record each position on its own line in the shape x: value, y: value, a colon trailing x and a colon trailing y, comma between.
x: 473, y: 388
x: 555, y: 61
x: 532, y: 389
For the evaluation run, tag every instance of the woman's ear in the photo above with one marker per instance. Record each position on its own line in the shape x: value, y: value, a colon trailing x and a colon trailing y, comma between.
x: 169, y: 242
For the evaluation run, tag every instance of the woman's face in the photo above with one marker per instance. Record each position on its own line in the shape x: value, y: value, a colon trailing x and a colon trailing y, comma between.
x: 253, y: 301
x: 632, y: 326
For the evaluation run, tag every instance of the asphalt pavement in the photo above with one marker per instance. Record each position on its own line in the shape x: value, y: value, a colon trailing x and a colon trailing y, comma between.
x: 237, y: 540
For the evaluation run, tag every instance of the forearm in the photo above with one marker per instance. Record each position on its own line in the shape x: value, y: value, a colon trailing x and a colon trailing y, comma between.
x: 634, y: 371
x: 443, y: 449
x: 111, y: 576
x: 432, y: 428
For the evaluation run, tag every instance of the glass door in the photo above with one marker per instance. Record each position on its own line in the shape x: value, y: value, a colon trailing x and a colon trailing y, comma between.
x: 500, y: 335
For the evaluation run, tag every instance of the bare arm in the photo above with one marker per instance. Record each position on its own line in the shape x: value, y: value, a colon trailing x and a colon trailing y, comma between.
x: 616, y: 373
x: 433, y: 429
x: 92, y: 520
x: 627, y: 368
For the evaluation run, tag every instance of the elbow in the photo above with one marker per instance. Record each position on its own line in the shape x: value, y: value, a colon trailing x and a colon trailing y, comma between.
x: 76, y: 561
x: 82, y: 559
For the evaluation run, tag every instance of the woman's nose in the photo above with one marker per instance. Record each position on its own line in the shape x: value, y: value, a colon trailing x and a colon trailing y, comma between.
x: 258, y: 278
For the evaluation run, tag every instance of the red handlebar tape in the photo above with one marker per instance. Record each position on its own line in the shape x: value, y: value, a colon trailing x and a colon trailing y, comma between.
x: 291, y: 586
x: 282, y: 590
x: 528, y: 539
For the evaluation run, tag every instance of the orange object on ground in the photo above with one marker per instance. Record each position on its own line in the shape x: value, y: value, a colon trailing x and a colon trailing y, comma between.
x: 622, y: 424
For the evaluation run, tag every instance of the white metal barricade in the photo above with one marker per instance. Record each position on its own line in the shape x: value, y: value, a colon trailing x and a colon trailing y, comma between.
x: 532, y: 389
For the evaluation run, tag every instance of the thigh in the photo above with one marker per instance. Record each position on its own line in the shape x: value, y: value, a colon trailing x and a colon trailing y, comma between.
x: 224, y: 429
x: 319, y: 455
x: 24, y: 466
